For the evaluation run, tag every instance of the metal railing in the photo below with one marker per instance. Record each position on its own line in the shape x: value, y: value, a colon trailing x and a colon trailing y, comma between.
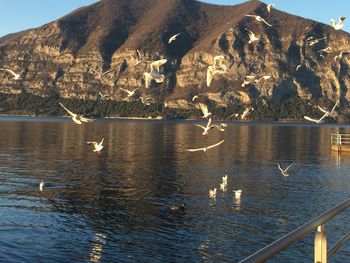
x: 320, y: 245
x: 340, y: 139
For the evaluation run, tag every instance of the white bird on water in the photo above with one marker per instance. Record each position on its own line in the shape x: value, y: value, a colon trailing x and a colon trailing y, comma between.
x: 252, y: 37
x: 223, y: 187
x: 154, y: 74
x: 78, y: 119
x: 212, y: 193
x: 284, y: 172
x: 173, y: 38
x: 259, y: 18
x: 237, y: 193
x: 224, y: 179
x: 204, y: 109
x: 14, y: 74
x: 204, y: 149
x: 97, y: 146
x: 217, y: 68
x: 41, y: 185
x: 339, y: 25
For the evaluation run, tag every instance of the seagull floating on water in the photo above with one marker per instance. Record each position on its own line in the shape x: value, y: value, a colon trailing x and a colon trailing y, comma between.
x: 41, y: 185
x: 285, y: 171
x: 223, y: 187
x: 78, y: 119
x: 339, y: 24
x: 14, y: 74
x: 237, y: 193
x: 204, y: 149
x: 173, y: 38
x: 217, y: 68
x: 154, y: 74
x: 259, y: 18
x: 212, y: 193
x: 252, y: 37
x: 97, y: 146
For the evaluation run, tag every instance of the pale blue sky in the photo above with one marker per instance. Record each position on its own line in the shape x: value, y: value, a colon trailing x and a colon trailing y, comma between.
x: 17, y: 15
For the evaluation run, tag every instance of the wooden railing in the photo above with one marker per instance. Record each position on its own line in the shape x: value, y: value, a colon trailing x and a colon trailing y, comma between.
x: 340, y: 139
x: 320, y: 245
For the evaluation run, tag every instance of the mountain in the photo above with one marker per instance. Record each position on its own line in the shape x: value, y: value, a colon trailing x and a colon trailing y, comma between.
x: 60, y: 57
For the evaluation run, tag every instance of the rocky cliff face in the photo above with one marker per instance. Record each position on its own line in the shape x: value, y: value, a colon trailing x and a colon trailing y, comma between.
x: 127, y: 35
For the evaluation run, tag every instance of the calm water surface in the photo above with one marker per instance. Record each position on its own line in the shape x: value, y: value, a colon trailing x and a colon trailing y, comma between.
x: 115, y: 206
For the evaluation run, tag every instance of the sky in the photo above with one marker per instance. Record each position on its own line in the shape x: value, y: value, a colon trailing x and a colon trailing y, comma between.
x: 17, y: 15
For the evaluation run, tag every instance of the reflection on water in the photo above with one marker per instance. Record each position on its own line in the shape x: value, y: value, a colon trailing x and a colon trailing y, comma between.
x: 115, y: 206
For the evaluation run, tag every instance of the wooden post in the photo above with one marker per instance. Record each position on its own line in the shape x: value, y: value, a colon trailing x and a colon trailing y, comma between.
x: 320, y: 245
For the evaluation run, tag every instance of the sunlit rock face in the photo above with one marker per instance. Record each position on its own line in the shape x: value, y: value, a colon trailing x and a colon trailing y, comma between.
x: 67, y: 55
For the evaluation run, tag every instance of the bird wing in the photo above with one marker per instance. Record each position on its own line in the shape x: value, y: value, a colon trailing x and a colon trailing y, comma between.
x: 321, y: 109
x: 9, y: 71
x: 195, y: 150
x: 127, y: 91
x: 214, y: 145
x: 310, y: 119
x: 101, y: 142
x: 95, y: 144
x: 71, y: 113
x: 209, y: 122
x: 203, y: 108
x: 280, y: 168
x: 209, y: 75
x: 288, y: 167
x: 269, y: 6
x: 200, y: 126
x: 172, y: 38
x: 335, y: 105
x: 156, y: 64
x: 108, y: 71
x: 251, y: 16
x: 262, y: 19
x: 82, y: 118
x: 147, y: 78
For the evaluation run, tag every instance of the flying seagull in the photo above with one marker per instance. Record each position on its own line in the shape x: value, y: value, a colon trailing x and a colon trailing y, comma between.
x: 173, y: 38
x: 339, y: 24
x: 194, y: 97
x: 246, y: 112
x: 333, y: 114
x: 217, y: 68
x: 252, y: 37
x: 269, y: 7
x: 204, y: 109
x: 97, y: 146
x: 259, y: 18
x: 130, y: 92
x: 15, y: 75
x: 247, y: 80
x: 154, y: 74
x: 285, y: 171
x: 318, y: 121
x: 78, y: 119
x: 100, y: 75
x: 262, y: 78
x: 204, y: 149
x: 206, y: 129
x: 311, y: 41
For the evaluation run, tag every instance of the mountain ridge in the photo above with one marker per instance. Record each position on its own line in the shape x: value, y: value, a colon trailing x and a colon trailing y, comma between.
x: 114, y: 34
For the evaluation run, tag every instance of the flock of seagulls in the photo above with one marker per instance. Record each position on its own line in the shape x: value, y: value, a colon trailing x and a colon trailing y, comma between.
x: 333, y: 114
x: 223, y: 188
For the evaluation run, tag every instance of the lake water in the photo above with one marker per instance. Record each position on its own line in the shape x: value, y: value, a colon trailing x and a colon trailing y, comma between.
x: 115, y: 206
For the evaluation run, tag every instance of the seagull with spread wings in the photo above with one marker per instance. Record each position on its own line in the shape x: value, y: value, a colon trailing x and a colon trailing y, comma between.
x: 204, y: 149
x: 204, y: 109
x: 284, y: 172
x: 217, y: 68
x: 338, y: 25
x: 259, y: 18
x: 173, y: 38
x: 206, y: 129
x: 154, y: 74
x: 252, y: 37
x: 78, y: 119
x: 97, y: 146
x: 14, y: 74
x: 130, y: 92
